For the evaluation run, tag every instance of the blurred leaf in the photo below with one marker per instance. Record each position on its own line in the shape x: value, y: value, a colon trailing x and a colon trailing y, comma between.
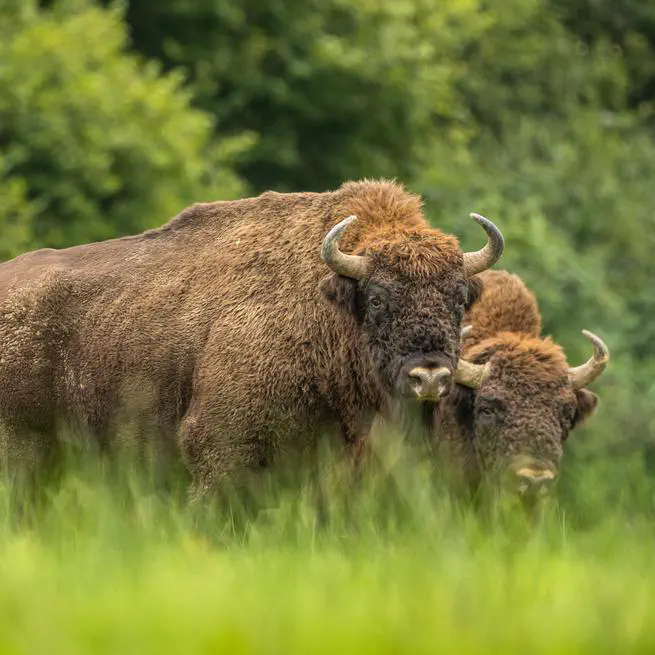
x: 99, y: 141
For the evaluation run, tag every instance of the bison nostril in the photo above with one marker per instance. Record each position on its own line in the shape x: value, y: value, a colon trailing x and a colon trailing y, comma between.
x: 430, y: 383
x: 532, y: 480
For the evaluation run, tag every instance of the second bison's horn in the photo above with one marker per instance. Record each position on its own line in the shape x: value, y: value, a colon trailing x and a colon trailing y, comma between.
x: 586, y: 373
x: 353, y: 266
x: 471, y: 375
x: 481, y: 260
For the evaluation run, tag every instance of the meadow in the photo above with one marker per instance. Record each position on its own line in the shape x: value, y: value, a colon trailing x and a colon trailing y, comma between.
x: 114, y: 116
x: 108, y: 562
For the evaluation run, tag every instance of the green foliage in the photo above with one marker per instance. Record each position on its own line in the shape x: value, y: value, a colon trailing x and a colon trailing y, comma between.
x: 93, y: 142
x: 18, y: 213
x: 629, y: 25
x: 334, y: 89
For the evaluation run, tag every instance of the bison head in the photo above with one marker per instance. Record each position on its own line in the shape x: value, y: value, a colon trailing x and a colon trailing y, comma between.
x: 518, y: 402
x: 407, y: 288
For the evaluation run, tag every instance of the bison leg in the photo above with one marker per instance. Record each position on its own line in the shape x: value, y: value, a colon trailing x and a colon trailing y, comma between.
x: 29, y: 461
x: 221, y: 462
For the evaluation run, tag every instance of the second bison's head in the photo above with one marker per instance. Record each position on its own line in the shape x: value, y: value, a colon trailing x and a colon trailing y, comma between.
x: 517, y: 402
x: 407, y: 288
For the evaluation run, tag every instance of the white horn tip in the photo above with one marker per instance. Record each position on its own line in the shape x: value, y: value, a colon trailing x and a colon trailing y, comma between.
x: 601, y: 351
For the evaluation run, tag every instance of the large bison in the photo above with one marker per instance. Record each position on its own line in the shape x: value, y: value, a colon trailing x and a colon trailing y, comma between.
x: 517, y: 399
x: 218, y: 324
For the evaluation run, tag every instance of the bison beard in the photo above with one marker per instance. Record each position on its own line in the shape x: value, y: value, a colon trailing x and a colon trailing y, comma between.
x: 211, y: 331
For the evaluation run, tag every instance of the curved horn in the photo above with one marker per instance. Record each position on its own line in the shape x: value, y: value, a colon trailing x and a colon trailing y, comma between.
x: 353, y: 266
x: 465, y: 332
x: 586, y: 373
x: 471, y: 375
x: 480, y: 260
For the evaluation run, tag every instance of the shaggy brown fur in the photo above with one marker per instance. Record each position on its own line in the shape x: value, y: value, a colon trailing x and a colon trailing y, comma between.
x: 214, y: 329
x: 508, y: 306
x: 525, y: 410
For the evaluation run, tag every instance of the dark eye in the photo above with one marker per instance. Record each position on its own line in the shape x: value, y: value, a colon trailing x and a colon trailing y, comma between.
x: 491, y: 412
x: 377, y: 298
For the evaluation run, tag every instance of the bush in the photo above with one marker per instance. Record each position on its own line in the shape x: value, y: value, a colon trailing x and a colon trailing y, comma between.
x: 95, y: 143
x: 334, y: 89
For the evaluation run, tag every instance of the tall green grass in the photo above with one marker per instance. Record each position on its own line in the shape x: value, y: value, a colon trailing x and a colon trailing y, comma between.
x: 108, y: 562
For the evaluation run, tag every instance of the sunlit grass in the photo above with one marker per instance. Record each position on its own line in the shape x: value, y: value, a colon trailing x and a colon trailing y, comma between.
x: 111, y: 564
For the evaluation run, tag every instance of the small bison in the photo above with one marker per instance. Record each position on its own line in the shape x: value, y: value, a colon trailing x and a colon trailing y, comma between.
x: 516, y: 400
x: 244, y: 328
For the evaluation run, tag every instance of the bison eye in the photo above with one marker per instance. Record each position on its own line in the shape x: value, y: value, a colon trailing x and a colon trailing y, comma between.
x: 491, y: 412
x: 377, y: 297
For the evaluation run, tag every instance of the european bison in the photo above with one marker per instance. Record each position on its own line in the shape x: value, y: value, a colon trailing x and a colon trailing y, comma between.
x: 217, y: 323
x: 517, y: 399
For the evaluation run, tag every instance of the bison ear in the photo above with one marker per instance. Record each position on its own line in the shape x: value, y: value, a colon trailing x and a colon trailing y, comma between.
x: 475, y: 288
x: 587, y: 401
x: 339, y: 290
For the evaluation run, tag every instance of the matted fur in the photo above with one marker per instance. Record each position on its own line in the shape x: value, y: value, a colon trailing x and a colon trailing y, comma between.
x: 508, y: 306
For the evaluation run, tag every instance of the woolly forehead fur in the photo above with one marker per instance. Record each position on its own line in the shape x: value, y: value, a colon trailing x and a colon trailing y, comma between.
x: 392, y: 228
x: 522, y: 356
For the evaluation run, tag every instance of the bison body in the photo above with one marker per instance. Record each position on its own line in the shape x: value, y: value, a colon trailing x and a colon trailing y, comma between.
x: 518, y: 399
x: 225, y: 333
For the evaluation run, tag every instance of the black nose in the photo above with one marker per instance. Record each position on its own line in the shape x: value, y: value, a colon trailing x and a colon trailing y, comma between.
x: 430, y: 383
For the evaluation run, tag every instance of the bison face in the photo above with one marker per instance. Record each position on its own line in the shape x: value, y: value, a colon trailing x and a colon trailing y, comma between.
x: 518, y: 433
x: 521, y: 412
x: 408, y: 328
x: 411, y: 331
x: 407, y: 292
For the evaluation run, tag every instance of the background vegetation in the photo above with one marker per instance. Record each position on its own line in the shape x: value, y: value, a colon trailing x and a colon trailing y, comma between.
x: 537, y: 113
